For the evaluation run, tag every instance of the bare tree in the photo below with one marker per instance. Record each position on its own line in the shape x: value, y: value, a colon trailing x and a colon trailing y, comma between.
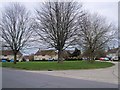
x: 95, y: 33
x: 16, y: 28
x: 56, y: 24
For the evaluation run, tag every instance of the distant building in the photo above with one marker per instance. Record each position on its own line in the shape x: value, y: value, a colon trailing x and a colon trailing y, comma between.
x: 28, y: 57
x: 8, y: 54
x: 112, y: 52
x: 45, y: 55
x: 53, y: 54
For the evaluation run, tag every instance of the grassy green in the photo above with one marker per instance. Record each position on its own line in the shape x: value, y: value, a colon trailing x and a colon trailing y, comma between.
x: 67, y: 65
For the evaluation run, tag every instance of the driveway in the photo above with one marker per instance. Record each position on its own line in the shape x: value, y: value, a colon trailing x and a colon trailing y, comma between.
x: 108, y: 75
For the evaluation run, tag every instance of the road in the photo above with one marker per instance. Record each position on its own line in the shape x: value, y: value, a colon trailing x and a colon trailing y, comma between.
x: 108, y: 75
x: 12, y: 78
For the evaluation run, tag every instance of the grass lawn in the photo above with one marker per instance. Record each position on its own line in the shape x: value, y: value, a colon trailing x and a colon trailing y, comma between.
x: 67, y: 65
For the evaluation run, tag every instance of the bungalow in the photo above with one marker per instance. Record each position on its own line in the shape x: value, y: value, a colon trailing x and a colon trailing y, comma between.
x: 8, y: 54
x: 51, y: 54
x: 45, y: 55
x: 28, y: 57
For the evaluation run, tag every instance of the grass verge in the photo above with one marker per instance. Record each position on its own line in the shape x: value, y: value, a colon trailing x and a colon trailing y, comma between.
x: 67, y: 65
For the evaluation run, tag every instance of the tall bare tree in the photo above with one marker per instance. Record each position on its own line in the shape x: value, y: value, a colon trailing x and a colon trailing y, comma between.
x: 16, y: 27
x: 95, y: 33
x: 56, y: 24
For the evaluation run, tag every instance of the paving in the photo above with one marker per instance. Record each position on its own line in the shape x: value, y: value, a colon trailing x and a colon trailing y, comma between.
x: 108, y: 75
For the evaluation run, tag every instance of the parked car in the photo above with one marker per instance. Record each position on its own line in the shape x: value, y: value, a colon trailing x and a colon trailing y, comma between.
x: 11, y: 60
x: 4, y: 60
x: 101, y: 59
x: 115, y: 58
x: 50, y: 59
x: 104, y: 59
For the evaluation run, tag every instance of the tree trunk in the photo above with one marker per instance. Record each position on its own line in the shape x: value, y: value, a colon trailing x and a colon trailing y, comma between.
x: 92, y: 56
x: 60, y: 59
x: 15, y: 58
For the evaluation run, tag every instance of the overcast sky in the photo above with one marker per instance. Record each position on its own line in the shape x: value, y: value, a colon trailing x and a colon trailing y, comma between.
x: 106, y: 8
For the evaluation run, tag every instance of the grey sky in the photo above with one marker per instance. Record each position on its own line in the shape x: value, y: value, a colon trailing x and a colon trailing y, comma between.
x: 106, y: 8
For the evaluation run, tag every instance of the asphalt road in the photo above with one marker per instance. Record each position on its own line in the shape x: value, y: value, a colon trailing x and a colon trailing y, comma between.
x: 107, y: 75
x: 20, y: 79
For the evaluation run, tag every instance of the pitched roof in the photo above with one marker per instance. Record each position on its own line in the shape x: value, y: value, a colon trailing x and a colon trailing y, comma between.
x: 46, y: 52
x: 9, y: 52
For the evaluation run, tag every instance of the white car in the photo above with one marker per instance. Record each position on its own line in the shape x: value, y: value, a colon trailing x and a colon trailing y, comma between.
x: 114, y: 58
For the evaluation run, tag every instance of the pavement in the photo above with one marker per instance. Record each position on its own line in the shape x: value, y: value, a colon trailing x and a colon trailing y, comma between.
x: 107, y: 75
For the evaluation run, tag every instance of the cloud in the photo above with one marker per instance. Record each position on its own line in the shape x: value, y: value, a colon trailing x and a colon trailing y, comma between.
x: 106, y: 9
